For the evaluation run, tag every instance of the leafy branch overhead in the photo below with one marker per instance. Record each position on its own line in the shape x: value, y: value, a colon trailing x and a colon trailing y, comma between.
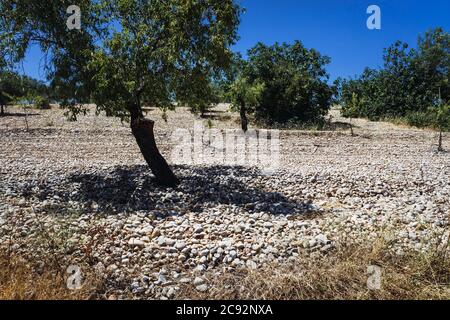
x: 128, y: 53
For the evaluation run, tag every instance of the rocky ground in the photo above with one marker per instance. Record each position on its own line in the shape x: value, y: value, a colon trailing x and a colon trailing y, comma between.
x: 83, y: 190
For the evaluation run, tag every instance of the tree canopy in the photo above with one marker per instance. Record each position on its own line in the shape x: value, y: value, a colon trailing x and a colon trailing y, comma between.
x: 244, y: 98
x: 295, y: 82
x: 128, y: 52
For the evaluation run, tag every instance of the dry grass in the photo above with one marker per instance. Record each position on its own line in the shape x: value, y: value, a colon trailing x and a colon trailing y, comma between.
x: 23, y: 280
x: 339, y: 274
x: 342, y: 274
x: 40, y: 271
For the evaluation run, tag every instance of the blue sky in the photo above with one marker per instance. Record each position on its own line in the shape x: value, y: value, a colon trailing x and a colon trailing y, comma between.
x: 336, y: 28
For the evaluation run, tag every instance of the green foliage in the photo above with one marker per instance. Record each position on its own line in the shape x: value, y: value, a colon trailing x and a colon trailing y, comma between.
x: 41, y: 102
x: 407, y: 85
x: 14, y: 87
x: 434, y: 117
x: 10, y: 88
x: 205, y: 97
x: 353, y: 105
x: 43, y: 23
x: 243, y: 94
x: 226, y: 78
x: 419, y: 119
x: 443, y: 117
x: 295, y: 83
x: 440, y: 117
x: 209, y: 124
x: 128, y: 53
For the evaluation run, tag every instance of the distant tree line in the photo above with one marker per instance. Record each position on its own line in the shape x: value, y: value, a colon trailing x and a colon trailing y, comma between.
x: 15, y: 88
x: 413, y: 84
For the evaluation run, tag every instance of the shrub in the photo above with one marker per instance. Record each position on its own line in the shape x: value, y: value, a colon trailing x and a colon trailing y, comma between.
x: 42, y: 103
x: 354, y: 106
x: 441, y: 117
x: 433, y: 117
x: 418, y: 119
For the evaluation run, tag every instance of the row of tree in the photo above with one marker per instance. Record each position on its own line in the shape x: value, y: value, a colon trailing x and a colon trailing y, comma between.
x: 412, y: 84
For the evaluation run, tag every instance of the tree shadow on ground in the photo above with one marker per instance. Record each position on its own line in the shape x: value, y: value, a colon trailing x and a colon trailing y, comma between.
x: 217, y: 116
x: 30, y: 131
x: 133, y: 188
x: 338, y: 125
x: 18, y: 115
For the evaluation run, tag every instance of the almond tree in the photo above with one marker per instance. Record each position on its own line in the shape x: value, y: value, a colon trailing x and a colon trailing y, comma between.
x: 127, y: 54
x: 244, y: 98
x: 441, y: 121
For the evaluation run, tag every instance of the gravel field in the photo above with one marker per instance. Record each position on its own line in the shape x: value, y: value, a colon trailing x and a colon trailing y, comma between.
x: 84, y: 187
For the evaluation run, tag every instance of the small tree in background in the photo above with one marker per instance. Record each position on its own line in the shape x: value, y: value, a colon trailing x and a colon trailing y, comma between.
x: 244, y: 98
x: 13, y: 87
x: 440, y: 117
x: 226, y: 79
x: 5, y: 99
x: 41, y: 102
x: 203, y: 98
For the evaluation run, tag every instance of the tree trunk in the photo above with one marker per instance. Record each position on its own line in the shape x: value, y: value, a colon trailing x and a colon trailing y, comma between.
x: 202, y: 112
x: 143, y: 132
x: 244, y: 120
x: 2, y: 112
